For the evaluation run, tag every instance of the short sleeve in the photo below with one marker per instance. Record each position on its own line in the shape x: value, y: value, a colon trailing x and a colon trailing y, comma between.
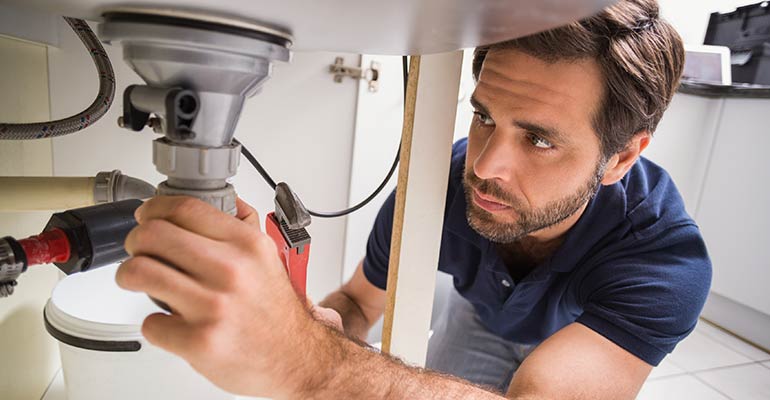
x: 378, y: 246
x: 647, y: 299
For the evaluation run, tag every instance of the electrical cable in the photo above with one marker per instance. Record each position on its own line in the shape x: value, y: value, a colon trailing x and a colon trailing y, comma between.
x: 97, y: 109
x: 255, y: 163
x: 266, y: 176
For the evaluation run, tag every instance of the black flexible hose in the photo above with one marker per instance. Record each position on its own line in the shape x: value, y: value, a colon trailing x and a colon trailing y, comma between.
x: 97, y: 109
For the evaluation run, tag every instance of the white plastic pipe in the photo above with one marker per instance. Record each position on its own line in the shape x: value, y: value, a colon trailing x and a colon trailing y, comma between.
x: 45, y: 193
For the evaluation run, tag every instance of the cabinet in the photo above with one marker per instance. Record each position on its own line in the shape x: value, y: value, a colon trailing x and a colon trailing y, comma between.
x: 719, y: 161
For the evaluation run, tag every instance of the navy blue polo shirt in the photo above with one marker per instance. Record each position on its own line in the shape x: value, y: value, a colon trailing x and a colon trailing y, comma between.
x: 634, y: 267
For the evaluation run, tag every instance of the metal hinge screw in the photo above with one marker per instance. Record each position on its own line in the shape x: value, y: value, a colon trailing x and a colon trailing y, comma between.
x: 371, y: 75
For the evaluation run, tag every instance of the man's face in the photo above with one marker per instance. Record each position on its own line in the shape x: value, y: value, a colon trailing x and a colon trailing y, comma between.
x: 533, y: 157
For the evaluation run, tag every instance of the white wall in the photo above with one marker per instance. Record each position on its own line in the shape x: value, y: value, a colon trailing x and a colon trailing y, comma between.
x: 377, y: 136
x: 29, y: 356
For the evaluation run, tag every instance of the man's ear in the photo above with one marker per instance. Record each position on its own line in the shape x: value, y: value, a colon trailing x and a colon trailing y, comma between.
x: 621, y: 162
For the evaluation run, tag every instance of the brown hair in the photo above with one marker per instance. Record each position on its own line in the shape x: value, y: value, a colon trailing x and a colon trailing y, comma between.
x: 640, y: 55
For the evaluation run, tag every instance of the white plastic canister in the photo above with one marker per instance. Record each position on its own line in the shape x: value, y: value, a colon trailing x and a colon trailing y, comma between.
x: 103, y: 353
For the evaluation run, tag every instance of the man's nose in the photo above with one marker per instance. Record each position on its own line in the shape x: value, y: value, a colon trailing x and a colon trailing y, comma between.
x: 496, y: 159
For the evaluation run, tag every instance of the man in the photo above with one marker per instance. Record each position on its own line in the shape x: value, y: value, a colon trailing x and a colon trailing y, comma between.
x: 575, y: 266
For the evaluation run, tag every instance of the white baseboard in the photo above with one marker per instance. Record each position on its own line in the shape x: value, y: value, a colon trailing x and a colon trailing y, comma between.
x: 745, y: 322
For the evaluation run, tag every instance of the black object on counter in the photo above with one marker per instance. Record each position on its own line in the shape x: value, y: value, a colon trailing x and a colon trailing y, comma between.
x: 746, y: 31
x: 742, y: 91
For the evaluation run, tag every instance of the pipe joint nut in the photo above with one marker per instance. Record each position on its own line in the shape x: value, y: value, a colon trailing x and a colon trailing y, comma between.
x: 195, y: 163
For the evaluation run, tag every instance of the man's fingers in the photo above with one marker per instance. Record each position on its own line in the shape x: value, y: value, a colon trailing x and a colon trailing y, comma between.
x: 169, y: 332
x: 247, y: 213
x: 193, y: 254
x: 194, y: 215
x: 329, y: 317
x: 163, y: 282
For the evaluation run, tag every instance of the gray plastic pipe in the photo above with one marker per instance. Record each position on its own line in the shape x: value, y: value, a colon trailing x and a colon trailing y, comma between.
x: 62, y: 193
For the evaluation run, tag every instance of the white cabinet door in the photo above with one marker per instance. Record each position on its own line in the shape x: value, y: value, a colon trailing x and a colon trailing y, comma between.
x: 733, y: 214
x: 683, y: 143
x: 378, y: 123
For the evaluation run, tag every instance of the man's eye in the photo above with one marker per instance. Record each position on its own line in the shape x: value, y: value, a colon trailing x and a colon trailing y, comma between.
x: 483, y: 118
x: 539, y: 142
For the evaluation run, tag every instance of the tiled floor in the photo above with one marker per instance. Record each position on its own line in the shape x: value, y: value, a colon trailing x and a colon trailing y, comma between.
x: 711, y: 364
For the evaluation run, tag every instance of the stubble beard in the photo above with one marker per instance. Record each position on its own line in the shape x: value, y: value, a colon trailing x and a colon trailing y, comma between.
x: 529, y: 220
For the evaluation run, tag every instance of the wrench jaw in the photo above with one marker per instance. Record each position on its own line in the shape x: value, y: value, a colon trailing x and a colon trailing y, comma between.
x: 293, y: 248
x: 286, y: 226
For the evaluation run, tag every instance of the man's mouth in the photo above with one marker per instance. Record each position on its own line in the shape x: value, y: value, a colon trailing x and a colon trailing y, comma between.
x: 488, y: 203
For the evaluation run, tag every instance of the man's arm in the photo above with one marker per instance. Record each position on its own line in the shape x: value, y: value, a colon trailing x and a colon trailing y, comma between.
x: 339, y: 368
x: 358, y: 302
x: 578, y: 363
x: 238, y: 321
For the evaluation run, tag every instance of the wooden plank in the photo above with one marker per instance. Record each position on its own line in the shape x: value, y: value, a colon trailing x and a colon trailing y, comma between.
x: 431, y: 105
x: 398, y: 213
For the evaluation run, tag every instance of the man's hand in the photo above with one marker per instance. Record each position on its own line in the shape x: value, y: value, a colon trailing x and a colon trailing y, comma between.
x: 236, y: 318
x: 238, y: 321
x: 248, y: 214
x: 328, y: 316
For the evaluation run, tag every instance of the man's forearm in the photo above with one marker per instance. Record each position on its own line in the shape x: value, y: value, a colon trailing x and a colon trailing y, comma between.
x: 338, y: 368
x: 353, y: 319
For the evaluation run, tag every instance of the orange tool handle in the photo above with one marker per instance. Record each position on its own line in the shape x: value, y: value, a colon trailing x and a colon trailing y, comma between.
x: 294, y: 259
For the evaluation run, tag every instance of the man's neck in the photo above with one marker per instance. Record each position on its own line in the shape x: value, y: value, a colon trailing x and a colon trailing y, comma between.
x: 555, y: 232
x: 528, y: 252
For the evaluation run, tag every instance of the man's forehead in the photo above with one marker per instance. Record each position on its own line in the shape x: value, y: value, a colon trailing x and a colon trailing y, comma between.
x: 572, y: 87
x: 574, y: 80
x: 506, y: 77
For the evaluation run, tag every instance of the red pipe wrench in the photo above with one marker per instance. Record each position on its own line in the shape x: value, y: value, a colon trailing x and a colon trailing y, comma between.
x: 286, y: 226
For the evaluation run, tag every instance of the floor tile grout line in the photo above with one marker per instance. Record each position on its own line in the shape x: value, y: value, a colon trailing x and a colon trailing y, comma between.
x: 657, y: 378
x: 688, y: 370
x: 712, y: 387
x: 736, y: 338
x: 671, y: 360
x: 726, y: 331
x: 701, y: 381
x: 724, y: 367
x: 48, y: 388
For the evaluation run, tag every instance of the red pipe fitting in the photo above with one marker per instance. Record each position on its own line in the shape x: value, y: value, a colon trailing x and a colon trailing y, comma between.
x: 47, y: 247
